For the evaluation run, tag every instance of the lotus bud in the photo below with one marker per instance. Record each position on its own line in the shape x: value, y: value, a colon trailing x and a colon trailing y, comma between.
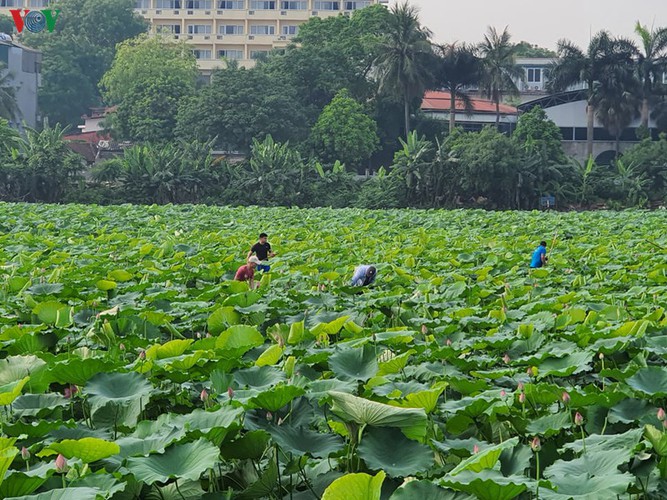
x: 578, y: 419
x: 601, y: 355
x: 142, y: 355
x: 269, y: 416
x: 520, y: 386
x: 424, y: 330
x: 506, y: 359
x: 204, y: 395
x: 208, y: 335
x: 25, y: 454
x: 475, y: 449
x: 535, y: 444
x: 230, y: 392
x: 661, y: 414
x: 198, y: 335
x: 121, y: 347
x: 61, y: 463
x: 503, y: 393
x: 449, y: 342
x: 565, y: 397
x: 522, y: 398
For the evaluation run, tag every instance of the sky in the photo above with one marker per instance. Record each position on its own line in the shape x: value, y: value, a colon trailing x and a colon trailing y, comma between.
x: 540, y: 22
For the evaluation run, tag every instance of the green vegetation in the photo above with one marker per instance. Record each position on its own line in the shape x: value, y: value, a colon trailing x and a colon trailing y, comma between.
x: 134, y: 368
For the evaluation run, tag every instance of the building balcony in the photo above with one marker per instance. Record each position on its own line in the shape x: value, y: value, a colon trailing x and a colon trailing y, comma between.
x: 230, y: 39
x: 263, y: 14
x: 294, y: 15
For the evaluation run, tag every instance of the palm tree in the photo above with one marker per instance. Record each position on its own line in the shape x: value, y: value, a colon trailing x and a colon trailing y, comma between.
x: 500, y: 69
x: 404, y: 57
x: 617, y: 104
x: 458, y: 66
x: 650, y: 64
x: 604, y: 58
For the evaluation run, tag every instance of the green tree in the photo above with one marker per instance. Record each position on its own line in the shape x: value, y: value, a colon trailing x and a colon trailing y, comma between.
x: 500, y: 68
x: 540, y: 136
x: 650, y: 158
x: 527, y: 49
x: 650, y: 64
x: 344, y: 132
x: 240, y: 105
x: 605, y: 59
x: 458, y: 67
x: 78, y: 53
x: 617, y: 104
x: 148, y: 79
x: 8, y: 107
x: 405, y: 57
x: 7, y: 24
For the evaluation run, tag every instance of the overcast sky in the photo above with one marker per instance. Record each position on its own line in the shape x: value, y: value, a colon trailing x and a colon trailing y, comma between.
x: 538, y: 21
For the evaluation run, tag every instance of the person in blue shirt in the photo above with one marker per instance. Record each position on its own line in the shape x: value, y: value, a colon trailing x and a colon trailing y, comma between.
x: 364, y: 275
x: 539, y: 256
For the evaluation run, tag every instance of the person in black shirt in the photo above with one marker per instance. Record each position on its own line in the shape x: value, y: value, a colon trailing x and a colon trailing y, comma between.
x: 262, y: 249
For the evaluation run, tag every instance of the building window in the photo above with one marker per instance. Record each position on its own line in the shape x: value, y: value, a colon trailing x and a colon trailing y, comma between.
x: 202, y: 53
x: 45, y: 3
x: 231, y: 4
x: 172, y: 29
x: 534, y: 75
x: 293, y: 5
x: 230, y: 29
x: 230, y: 54
x: 198, y: 4
x: 263, y: 4
x: 290, y: 30
x: 262, y: 30
x: 256, y: 54
x: 168, y: 4
x: 199, y: 29
x: 10, y: 3
x: 327, y: 5
x: 356, y: 5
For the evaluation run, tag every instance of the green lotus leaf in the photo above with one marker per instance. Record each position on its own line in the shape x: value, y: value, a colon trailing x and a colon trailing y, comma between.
x: 584, y: 487
x: 275, y: 398
x: 355, y: 487
x: 106, y: 285
x: 484, y: 459
x: 81, y: 493
x: 651, y: 380
x: 412, y: 421
x: 395, y: 364
x: 271, y: 356
x: 223, y: 318
x: 623, y: 444
x: 154, y: 443
x: 9, y: 392
x: 259, y: 376
x: 657, y: 439
x: 171, y: 349
x: 426, y: 490
x: 487, y: 485
x: 301, y: 441
x: 591, y: 463
x: 184, y: 461
x: 331, y: 327
x: 120, y: 275
x: 46, y: 289
x: 19, y: 483
x: 252, y: 445
x: 87, y: 449
x: 355, y: 364
x: 550, y: 425
x: 7, y: 454
x: 79, y: 371
x: 242, y: 299
x: 239, y: 338
x: 389, y: 450
x: 54, y: 313
x: 14, y: 368
x: 184, y: 490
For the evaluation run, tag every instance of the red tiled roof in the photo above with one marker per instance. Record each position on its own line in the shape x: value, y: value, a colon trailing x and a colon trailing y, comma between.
x: 439, y: 101
x: 89, y: 137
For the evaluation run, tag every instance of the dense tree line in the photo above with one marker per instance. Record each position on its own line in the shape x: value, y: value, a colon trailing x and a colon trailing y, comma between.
x: 345, y: 96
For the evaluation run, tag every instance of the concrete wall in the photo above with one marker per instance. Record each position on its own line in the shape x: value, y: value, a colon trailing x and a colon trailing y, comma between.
x: 24, y: 68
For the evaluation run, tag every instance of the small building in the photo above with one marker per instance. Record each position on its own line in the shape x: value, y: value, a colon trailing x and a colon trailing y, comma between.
x: 24, y: 67
x: 436, y: 104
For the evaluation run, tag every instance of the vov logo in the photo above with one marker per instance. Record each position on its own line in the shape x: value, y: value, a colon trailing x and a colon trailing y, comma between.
x: 35, y: 20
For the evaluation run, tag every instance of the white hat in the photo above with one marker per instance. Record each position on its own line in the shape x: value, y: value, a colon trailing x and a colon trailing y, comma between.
x: 254, y: 260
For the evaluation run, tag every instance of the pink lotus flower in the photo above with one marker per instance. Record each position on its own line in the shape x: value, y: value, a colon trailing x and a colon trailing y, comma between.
x: 475, y: 449
x: 25, y: 454
x: 61, y: 463
x: 503, y: 393
x: 535, y: 444
x: 70, y: 391
x: 506, y: 359
x: 204, y: 395
x: 230, y: 392
x: 522, y: 398
x: 565, y: 397
x: 578, y: 419
x: 661, y: 414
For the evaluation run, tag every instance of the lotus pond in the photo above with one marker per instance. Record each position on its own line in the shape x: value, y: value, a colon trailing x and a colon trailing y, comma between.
x: 133, y: 367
